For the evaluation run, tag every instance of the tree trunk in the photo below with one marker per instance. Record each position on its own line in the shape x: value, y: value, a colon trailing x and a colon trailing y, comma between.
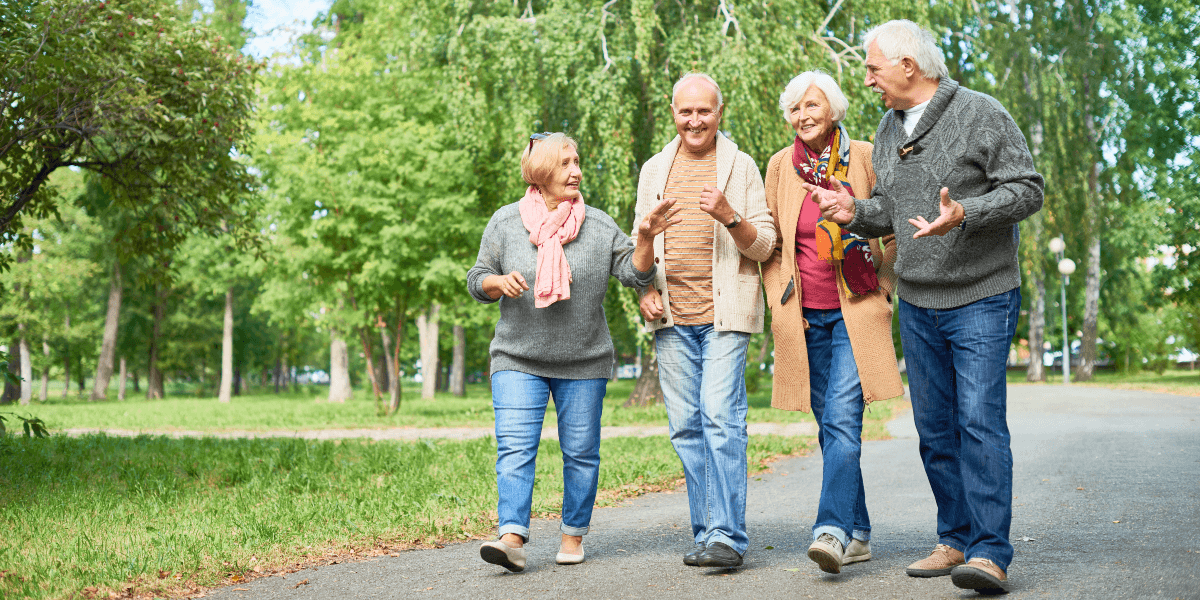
x: 12, y: 392
x: 226, y: 390
x: 397, y: 391
x: 427, y: 335
x: 1037, y: 327
x: 646, y: 392
x: 239, y: 385
x: 45, y: 392
x: 121, y: 379
x: 277, y: 374
x: 154, y: 378
x: 458, y: 362
x: 137, y: 387
x: 108, y: 347
x: 1091, y: 312
x: 26, y: 367
x: 339, y: 369
x: 80, y: 376
x: 67, y: 354
x: 364, y: 338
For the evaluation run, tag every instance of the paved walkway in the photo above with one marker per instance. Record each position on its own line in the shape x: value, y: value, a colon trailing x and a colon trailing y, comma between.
x: 1107, y: 505
x: 417, y: 433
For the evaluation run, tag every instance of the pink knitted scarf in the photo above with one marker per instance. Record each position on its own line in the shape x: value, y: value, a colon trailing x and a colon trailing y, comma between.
x: 549, y: 230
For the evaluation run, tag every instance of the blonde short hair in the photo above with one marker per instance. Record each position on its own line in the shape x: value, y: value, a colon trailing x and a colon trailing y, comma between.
x: 540, y: 158
x: 798, y: 86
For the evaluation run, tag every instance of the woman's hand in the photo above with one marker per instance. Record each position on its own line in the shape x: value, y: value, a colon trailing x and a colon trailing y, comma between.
x: 659, y: 219
x: 510, y: 285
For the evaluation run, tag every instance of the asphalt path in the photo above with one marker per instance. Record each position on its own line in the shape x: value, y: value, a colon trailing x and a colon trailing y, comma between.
x: 1106, y: 505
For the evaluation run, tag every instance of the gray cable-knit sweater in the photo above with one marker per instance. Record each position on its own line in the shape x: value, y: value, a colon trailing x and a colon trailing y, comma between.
x: 568, y: 339
x: 967, y: 142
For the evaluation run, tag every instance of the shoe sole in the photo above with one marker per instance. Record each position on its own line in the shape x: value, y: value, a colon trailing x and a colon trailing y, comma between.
x: 828, y: 562
x: 719, y: 564
x: 849, y: 560
x: 929, y: 572
x: 497, y: 556
x: 978, y: 580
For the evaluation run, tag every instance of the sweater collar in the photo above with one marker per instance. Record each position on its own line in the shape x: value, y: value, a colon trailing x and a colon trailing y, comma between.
x: 726, y: 151
x: 937, y: 105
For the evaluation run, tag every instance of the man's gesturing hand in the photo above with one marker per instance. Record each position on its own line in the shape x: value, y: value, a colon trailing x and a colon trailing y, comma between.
x: 651, y: 305
x: 836, y: 204
x: 510, y: 285
x: 713, y: 202
x: 950, y: 215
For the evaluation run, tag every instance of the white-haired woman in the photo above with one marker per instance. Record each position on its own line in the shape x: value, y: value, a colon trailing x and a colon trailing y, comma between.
x: 553, y: 339
x: 830, y: 297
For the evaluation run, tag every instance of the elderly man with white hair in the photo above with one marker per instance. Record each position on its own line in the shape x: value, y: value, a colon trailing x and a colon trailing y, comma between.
x: 705, y: 302
x: 954, y: 179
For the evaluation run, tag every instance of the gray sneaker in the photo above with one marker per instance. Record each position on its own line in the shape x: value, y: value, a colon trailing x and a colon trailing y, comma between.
x: 857, y: 551
x: 827, y: 553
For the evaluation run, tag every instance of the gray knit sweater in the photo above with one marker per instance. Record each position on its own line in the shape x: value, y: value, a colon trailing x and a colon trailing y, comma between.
x: 568, y: 339
x: 967, y: 142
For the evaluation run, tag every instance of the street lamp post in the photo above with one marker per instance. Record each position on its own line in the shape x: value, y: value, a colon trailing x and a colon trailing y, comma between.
x: 1066, y: 266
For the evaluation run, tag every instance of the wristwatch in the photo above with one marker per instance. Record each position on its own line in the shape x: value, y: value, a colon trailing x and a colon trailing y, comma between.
x: 734, y: 223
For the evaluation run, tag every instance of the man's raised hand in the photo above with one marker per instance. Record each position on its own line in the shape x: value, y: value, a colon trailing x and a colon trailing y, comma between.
x: 836, y: 204
x: 950, y: 215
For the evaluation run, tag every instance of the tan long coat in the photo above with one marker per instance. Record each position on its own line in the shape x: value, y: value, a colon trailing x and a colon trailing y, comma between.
x: 868, y: 317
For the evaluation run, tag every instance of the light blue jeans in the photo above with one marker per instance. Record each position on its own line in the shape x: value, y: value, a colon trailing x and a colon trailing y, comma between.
x: 837, y: 405
x: 519, y: 401
x: 702, y: 373
x: 956, y: 361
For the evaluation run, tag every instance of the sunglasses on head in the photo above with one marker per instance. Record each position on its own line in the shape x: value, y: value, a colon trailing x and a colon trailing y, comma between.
x: 537, y: 137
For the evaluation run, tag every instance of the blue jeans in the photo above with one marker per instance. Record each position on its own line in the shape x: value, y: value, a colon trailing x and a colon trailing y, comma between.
x: 519, y: 400
x: 837, y: 405
x: 702, y: 373
x: 956, y: 373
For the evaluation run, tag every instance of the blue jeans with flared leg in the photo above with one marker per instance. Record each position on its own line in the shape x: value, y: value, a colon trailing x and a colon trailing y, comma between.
x: 956, y: 362
x: 702, y: 373
x: 837, y: 405
x: 519, y: 400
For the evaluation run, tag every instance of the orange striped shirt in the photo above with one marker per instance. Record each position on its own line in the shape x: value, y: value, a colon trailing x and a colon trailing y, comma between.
x: 688, y: 246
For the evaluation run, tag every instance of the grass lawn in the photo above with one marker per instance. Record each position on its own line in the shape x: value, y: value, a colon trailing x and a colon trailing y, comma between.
x: 1172, y: 381
x: 97, y: 514
x: 309, y: 410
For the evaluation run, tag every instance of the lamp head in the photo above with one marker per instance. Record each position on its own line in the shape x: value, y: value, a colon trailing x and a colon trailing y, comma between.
x: 1057, y: 245
x: 1066, y: 266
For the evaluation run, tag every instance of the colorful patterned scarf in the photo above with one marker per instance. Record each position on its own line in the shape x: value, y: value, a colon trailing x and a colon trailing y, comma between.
x: 834, y: 243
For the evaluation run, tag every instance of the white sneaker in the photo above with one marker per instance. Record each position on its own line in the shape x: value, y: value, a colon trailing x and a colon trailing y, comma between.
x: 499, y: 553
x: 857, y: 551
x: 827, y: 553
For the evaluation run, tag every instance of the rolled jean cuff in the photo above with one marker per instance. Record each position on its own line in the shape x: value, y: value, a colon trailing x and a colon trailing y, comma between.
x: 520, y: 530
x: 860, y: 535
x: 724, y: 539
x: 1003, y: 565
x: 957, y: 545
x: 568, y: 530
x: 832, y: 530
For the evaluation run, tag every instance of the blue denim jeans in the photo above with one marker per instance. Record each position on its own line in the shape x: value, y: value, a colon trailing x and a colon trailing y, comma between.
x: 519, y: 400
x: 837, y: 405
x: 702, y: 373
x: 956, y: 374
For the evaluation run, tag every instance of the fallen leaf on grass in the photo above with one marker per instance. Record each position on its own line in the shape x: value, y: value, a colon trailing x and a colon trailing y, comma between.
x: 302, y: 582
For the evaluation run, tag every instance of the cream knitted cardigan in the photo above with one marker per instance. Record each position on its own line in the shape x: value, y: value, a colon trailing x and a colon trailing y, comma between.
x: 737, y: 287
x: 868, y: 318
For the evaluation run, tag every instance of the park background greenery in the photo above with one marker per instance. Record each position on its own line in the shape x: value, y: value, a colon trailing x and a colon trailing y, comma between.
x: 180, y: 221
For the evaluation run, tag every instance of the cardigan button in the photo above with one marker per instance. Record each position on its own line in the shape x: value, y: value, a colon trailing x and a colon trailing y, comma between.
x: 655, y: 260
x: 664, y: 320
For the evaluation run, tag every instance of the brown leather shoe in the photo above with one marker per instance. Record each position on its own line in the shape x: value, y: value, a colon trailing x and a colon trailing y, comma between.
x: 981, y: 575
x: 938, y: 564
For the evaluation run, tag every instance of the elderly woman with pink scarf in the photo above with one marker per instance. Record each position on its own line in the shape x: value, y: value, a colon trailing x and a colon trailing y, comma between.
x: 547, y: 259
